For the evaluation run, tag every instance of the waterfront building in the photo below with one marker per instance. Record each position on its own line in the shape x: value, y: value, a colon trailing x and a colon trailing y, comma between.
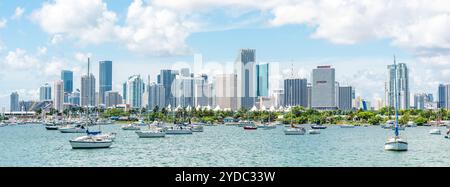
x: 226, y: 89
x: 323, y: 88
x: 156, y: 96
x: 295, y: 92
x: 105, y: 79
x: 135, y: 90
x: 447, y: 96
x: 45, y: 92
x: 262, y: 80
x: 441, y: 96
x: 183, y: 90
x: 74, y: 98
x: 245, y: 72
x: 309, y: 88
x: 14, y: 102
x: 402, y: 83
x: 67, y: 78
x: 203, y: 93
x: 166, y: 78
x: 278, y: 97
x: 88, y: 90
x: 345, y: 98
x: 112, y: 99
x: 58, y: 95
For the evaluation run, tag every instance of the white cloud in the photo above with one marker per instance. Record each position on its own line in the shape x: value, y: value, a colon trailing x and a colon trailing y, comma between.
x: 89, y: 21
x: 20, y: 60
x: 18, y: 13
x: 56, y: 39
x: 3, y: 22
x: 82, y: 57
x: 41, y: 51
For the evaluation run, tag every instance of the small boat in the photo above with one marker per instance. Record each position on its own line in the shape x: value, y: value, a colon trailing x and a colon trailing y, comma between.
x: 347, y: 126
x: 132, y: 127
x: 435, y: 131
x: 178, y: 130
x: 250, y: 127
x: 2, y: 124
x: 396, y: 144
x: 295, y: 131
x: 72, y: 129
x: 51, y: 127
x: 411, y: 124
x: 314, y: 131
x: 267, y: 126
x: 140, y: 123
x: 111, y: 135
x: 318, y: 127
x: 246, y: 123
x: 90, y: 142
x: 154, y: 133
x: 197, y: 128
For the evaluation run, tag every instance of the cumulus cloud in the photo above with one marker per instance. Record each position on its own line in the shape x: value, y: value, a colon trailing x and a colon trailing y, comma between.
x: 20, y: 59
x: 18, y: 13
x: 3, y: 22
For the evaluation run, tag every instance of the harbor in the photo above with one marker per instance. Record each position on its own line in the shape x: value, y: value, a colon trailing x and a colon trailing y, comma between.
x: 225, y: 146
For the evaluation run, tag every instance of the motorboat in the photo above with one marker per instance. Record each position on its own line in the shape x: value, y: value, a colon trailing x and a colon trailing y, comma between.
x: 267, y: 126
x: 2, y: 124
x: 396, y: 144
x: 72, y: 129
x: 250, y: 127
x: 295, y: 131
x: 318, y: 127
x: 347, y: 126
x: 132, y: 127
x: 152, y: 133
x: 435, y: 131
x: 51, y: 127
x: 314, y: 131
x: 197, y: 128
x: 90, y: 142
x: 175, y: 130
x: 140, y: 123
x: 246, y: 123
x: 111, y: 135
x: 411, y: 124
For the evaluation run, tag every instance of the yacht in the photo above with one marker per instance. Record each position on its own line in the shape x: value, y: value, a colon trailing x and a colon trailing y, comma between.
x: 435, y: 131
x: 411, y: 124
x: 318, y: 127
x: 250, y: 127
x: 72, y: 129
x: 152, y: 133
x: 90, y: 142
x: 132, y: 127
x: 197, y: 128
x: 295, y: 131
x: 178, y: 130
x: 140, y: 123
x: 347, y: 126
x: 246, y: 123
x: 396, y: 143
x: 267, y: 126
x: 2, y: 124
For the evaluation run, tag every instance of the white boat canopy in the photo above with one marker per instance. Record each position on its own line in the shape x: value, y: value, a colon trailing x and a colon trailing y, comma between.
x: 217, y: 108
x: 254, y: 109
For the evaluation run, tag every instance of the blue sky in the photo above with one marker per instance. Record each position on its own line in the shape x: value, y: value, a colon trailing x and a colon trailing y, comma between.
x: 39, y: 38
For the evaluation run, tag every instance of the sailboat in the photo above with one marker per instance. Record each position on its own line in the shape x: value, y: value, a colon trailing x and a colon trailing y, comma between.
x: 93, y: 140
x: 436, y: 130
x: 396, y: 143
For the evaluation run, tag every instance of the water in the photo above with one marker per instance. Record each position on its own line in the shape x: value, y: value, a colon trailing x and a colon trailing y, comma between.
x: 32, y: 145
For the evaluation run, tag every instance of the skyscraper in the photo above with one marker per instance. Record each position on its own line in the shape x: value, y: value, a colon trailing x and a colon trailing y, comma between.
x: 447, y: 96
x: 295, y: 92
x: 105, y: 79
x: 345, y: 98
x: 14, y: 102
x: 166, y: 78
x: 183, y: 90
x: 226, y: 91
x: 112, y: 99
x: 58, y: 95
x: 88, y: 90
x: 203, y: 91
x: 309, y: 88
x: 67, y: 77
x: 135, y: 90
x: 74, y: 98
x: 441, y: 96
x: 419, y: 101
x: 156, y: 96
x: 323, y: 88
x: 262, y: 80
x: 402, y: 83
x: 245, y: 71
x: 45, y: 92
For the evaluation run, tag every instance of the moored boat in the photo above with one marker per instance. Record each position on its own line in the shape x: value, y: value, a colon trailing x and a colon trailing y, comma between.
x: 314, y: 131
x: 250, y: 127
x: 90, y: 142
x: 131, y: 127
x: 155, y: 133
x: 72, y: 129
x: 318, y: 127
x: 295, y: 131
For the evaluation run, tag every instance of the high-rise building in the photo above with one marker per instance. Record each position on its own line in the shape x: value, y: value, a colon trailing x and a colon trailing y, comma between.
x: 323, y: 88
x: 105, y: 79
x: 167, y: 78
x: 156, y: 96
x: 295, y: 92
x: 226, y: 91
x: 447, y: 96
x: 184, y: 90
x: 278, y: 96
x: 135, y: 90
x: 262, y: 80
x: 309, y: 88
x: 58, y: 95
x: 419, y: 101
x: 345, y: 98
x: 14, y: 102
x: 112, y: 99
x: 74, y: 98
x: 45, y: 92
x: 402, y: 83
x: 88, y: 90
x: 67, y: 78
x: 441, y: 96
x: 245, y: 72
x: 203, y: 91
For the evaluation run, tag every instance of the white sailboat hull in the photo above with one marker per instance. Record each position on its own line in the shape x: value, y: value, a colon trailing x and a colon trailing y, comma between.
x: 396, y: 144
x: 435, y: 132
x: 294, y: 132
x: 313, y: 131
x: 72, y: 130
x: 150, y: 134
x: 178, y: 131
x: 90, y: 145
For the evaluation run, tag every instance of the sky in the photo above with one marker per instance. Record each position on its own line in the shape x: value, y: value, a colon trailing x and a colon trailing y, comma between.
x: 359, y: 38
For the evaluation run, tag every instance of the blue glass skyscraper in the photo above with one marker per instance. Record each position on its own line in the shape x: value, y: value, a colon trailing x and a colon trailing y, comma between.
x: 441, y: 96
x: 262, y: 80
x: 105, y: 79
x: 67, y: 78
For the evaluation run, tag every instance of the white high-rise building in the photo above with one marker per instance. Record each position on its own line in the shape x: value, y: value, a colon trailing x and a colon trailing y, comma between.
x: 88, y: 90
x: 183, y: 89
x: 203, y: 93
x: 402, y: 82
x: 156, y: 96
x: 45, y: 92
x: 226, y: 90
x: 323, y: 88
x: 135, y: 90
x: 58, y: 95
x: 245, y: 70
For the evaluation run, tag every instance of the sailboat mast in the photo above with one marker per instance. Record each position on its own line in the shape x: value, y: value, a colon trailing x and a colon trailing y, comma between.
x: 395, y: 98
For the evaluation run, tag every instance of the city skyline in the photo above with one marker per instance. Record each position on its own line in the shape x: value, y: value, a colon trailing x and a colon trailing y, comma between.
x: 38, y: 46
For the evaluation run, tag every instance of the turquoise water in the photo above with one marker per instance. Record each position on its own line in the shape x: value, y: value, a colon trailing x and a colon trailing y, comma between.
x: 32, y: 145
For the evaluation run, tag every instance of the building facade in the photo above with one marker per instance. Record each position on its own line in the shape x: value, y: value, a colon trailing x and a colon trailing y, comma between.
x: 45, y: 92
x: 135, y: 90
x: 14, y: 102
x: 105, y: 79
x: 245, y: 73
x: 323, y: 88
x: 88, y: 90
x: 58, y: 95
x: 295, y: 92
x: 441, y: 103
x: 402, y: 83
x: 226, y: 89
x: 112, y: 99
x: 345, y: 98
x: 262, y: 80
